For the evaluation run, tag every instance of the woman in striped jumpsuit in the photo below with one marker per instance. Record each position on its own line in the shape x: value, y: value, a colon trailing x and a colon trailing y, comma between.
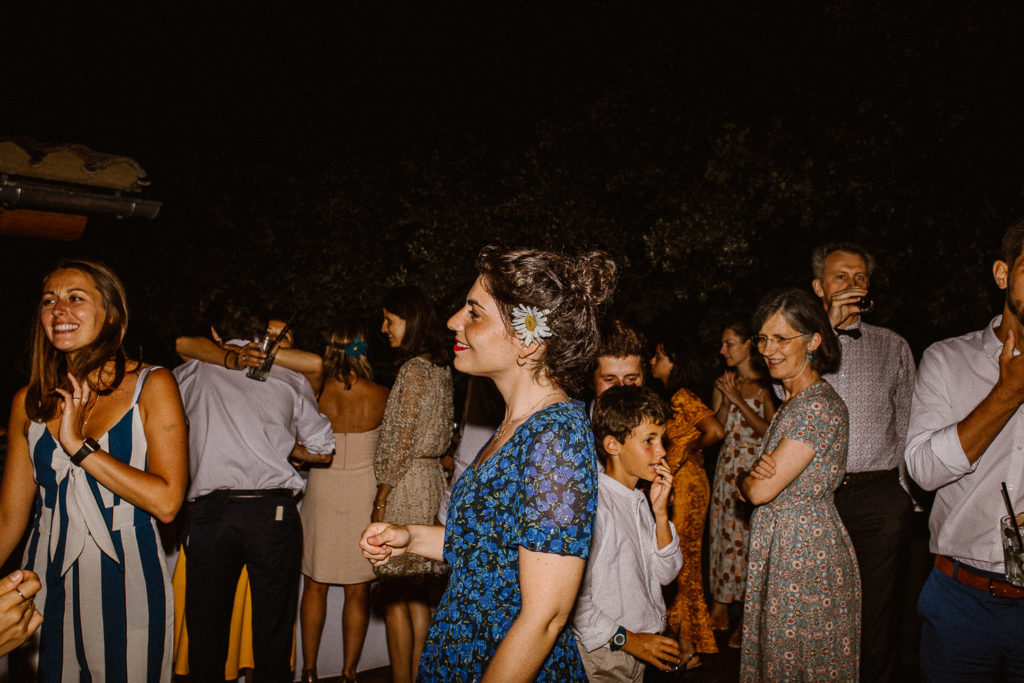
x: 96, y: 455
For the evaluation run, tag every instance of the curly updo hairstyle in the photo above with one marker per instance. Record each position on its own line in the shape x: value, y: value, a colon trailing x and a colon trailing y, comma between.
x: 573, y: 289
x: 806, y: 315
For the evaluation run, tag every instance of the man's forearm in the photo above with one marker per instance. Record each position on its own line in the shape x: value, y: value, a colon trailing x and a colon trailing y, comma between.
x: 977, y: 431
x: 303, y: 454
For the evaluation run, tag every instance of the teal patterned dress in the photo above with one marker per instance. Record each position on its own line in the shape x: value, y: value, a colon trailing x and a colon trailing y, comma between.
x: 801, y: 618
x: 538, y: 491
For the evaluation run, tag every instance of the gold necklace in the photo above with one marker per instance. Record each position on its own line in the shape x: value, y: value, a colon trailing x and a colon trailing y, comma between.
x: 88, y: 410
x: 506, y: 423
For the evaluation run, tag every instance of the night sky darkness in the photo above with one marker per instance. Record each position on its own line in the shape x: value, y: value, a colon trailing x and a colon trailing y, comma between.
x: 316, y: 156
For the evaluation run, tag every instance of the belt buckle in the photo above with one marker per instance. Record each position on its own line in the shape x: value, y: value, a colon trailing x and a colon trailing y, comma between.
x: 1001, y: 589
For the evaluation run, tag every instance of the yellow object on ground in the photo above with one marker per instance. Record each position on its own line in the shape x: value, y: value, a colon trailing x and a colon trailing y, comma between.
x: 239, y: 655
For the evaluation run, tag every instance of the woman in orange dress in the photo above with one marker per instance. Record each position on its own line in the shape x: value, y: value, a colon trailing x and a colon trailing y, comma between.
x: 693, y: 427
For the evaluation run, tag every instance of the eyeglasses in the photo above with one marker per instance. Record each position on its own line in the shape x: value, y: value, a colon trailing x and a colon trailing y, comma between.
x: 762, y: 341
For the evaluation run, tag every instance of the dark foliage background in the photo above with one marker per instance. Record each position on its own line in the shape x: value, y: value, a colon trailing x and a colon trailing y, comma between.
x: 317, y: 155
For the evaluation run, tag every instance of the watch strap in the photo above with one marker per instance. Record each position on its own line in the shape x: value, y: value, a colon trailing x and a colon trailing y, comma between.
x: 89, y: 446
x: 618, y: 640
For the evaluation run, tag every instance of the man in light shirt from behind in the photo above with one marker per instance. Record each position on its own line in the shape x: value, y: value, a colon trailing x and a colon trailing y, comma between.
x: 242, y: 497
x: 620, y: 610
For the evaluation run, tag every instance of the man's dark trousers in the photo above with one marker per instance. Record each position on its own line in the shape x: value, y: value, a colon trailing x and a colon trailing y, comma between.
x: 262, y: 531
x: 877, y: 515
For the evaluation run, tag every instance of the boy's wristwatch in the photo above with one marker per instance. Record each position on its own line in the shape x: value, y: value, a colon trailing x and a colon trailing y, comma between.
x: 618, y: 640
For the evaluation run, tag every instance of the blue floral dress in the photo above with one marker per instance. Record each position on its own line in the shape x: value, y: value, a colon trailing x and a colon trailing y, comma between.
x: 801, y: 618
x: 538, y: 491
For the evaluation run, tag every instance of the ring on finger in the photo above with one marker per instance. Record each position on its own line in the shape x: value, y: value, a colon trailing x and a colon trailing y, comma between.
x: 24, y: 599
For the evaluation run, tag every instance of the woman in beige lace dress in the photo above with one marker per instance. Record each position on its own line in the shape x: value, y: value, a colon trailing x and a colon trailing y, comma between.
x: 415, y: 433
x: 339, y: 501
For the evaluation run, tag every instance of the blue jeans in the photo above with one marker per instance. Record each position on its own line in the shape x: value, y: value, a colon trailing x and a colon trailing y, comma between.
x: 969, y: 635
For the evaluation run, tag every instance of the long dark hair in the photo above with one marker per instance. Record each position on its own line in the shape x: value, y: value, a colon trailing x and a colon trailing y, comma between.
x: 424, y: 334
x: 685, y: 371
x: 50, y: 367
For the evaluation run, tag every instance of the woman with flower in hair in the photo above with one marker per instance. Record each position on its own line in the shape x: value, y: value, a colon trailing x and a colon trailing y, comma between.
x: 521, y: 517
x: 414, y: 434
x: 339, y: 500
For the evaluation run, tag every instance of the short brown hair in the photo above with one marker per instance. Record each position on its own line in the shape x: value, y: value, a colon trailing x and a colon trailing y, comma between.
x: 619, y: 340
x: 807, y: 316
x: 620, y: 410
x: 573, y: 289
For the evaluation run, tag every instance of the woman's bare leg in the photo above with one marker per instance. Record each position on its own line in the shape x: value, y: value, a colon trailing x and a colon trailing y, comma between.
x: 419, y: 612
x: 355, y: 618
x: 312, y: 612
x: 688, y: 658
x: 398, y: 626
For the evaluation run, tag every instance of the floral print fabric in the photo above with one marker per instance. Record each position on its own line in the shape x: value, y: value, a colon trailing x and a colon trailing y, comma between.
x: 729, y: 520
x: 801, y: 618
x: 538, y: 491
x: 689, y: 509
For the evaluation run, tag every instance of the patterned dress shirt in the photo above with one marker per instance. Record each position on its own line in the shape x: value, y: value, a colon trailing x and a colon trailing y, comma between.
x: 876, y: 381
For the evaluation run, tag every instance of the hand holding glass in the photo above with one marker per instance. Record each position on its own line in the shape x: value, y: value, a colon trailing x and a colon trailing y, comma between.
x: 269, y: 347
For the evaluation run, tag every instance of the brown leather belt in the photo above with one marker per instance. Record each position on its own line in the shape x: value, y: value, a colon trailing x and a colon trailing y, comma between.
x: 861, y: 477
x: 966, y: 576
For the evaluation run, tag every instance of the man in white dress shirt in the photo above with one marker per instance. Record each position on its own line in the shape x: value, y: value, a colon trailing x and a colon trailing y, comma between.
x: 966, y: 438
x: 242, y: 497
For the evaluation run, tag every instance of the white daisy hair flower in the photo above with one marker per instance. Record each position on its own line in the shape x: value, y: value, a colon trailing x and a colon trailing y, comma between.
x: 530, y: 324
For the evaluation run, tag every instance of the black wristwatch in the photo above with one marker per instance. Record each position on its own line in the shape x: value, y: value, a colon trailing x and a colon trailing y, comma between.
x: 89, y: 446
x: 618, y: 640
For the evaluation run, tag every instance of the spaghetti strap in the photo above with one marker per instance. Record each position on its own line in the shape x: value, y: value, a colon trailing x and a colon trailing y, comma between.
x: 143, y: 374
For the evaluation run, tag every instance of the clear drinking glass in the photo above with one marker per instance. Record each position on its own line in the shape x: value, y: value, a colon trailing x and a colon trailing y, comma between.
x: 1012, y: 554
x: 670, y: 628
x: 260, y: 372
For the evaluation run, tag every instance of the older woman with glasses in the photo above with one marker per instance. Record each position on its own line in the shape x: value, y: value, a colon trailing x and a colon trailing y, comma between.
x: 802, y: 611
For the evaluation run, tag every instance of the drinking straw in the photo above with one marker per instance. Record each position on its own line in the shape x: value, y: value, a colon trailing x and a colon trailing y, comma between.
x: 283, y: 332
x: 1013, y: 518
